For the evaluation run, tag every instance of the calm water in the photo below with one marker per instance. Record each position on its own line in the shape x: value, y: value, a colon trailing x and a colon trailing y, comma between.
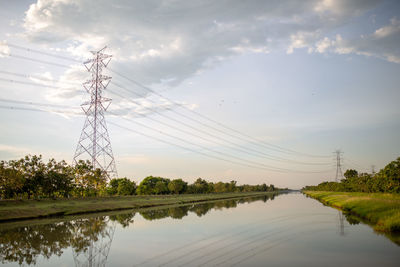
x: 287, y: 230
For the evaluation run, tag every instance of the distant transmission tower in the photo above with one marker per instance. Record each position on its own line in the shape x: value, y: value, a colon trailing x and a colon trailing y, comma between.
x: 373, y: 169
x: 94, y: 141
x: 338, y: 164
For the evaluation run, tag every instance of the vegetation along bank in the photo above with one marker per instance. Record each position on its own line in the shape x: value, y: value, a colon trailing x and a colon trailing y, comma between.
x: 374, y: 197
x: 31, y: 188
x: 381, y: 210
x: 27, y: 209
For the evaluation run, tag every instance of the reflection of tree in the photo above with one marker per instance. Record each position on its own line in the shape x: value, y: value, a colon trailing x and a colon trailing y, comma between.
x: 202, y: 209
x: 89, y: 238
x: 123, y: 219
x: 199, y: 209
x: 154, y: 214
x: 24, y: 244
x: 178, y: 212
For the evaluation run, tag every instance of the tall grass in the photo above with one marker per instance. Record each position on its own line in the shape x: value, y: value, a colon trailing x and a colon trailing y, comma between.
x: 382, y: 210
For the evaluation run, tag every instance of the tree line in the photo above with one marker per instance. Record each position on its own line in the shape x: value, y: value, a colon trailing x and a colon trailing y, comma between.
x: 387, y: 180
x: 31, y: 178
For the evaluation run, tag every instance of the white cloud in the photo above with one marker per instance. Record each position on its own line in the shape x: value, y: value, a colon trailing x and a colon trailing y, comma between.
x: 15, y: 150
x: 322, y: 45
x: 162, y: 41
x: 382, y: 43
x: 4, y: 49
x: 391, y: 29
x: 301, y: 40
x: 135, y: 159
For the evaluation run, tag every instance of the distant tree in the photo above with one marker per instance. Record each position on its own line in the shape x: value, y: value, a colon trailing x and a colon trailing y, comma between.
x: 126, y: 187
x: 161, y: 188
x: 149, y: 186
x: 350, y: 174
x: 177, y: 186
x: 88, y: 181
x: 112, y: 188
x: 221, y: 187
x: 271, y: 187
x: 201, y: 186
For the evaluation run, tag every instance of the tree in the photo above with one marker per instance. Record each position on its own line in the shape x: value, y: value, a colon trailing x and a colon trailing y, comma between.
x: 177, y: 186
x: 350, y: 174
x: 126, y: 187
x: 201, y: 186
x: 88, y: 181
x: 148, y: 186
x: 112, y: 188
x: 220, y: 187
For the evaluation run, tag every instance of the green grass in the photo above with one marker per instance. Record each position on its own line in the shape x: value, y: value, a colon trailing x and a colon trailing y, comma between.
x: 28, y: 209
x: 381, y: 210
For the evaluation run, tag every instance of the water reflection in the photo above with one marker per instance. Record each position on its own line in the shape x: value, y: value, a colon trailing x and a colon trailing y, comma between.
x: 24, y: 244
x: 199, y: 209
x: 341, y: 223
x: 92, y: 242
x: 89, y: 238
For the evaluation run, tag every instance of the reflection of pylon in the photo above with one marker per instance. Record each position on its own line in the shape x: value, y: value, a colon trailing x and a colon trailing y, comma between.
x: 97, y: 252
x: 94, y: 141
x: 341, y: 224
x: 338, y: 164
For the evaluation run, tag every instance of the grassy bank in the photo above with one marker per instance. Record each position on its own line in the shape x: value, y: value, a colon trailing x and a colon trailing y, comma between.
x: 381, y: 210
x: 28, y: 209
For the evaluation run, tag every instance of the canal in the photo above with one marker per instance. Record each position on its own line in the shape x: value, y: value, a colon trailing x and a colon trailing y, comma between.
x: 282, y: 230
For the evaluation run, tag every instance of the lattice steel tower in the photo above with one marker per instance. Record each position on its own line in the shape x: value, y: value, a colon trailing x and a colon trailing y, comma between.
x: 338, y: 164
x: 94, y: 141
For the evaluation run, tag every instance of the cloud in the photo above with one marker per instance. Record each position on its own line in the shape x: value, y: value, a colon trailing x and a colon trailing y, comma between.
x: 15, y: 150
x: 141, y: 107
x: 4, y: 49
x: 162, y: 41
x: 301, y: 40
x: 135, y: 159
x: 382, y: 43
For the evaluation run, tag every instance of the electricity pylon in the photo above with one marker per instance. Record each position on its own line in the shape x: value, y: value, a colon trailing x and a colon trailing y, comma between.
x: 338, y: 164
x: 94, y: 141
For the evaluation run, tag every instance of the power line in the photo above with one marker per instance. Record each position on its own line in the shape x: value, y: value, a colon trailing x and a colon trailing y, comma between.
x: 235, y: 146
x: 35, y: 60
x: 263, y: 166
x: 32, y: 103
x: 258, y: 142
x: 152, y: 91
x: 41, y: 52
x: 145, y: 135
x: 37, y: 77
x: 270, y: 146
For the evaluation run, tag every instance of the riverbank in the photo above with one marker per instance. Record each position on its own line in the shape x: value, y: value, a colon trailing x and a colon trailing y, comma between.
x: 30, y: 209
x: 381, y: 210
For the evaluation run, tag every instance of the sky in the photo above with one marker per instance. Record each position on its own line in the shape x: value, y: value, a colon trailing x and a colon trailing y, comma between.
x: 252, y: 91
